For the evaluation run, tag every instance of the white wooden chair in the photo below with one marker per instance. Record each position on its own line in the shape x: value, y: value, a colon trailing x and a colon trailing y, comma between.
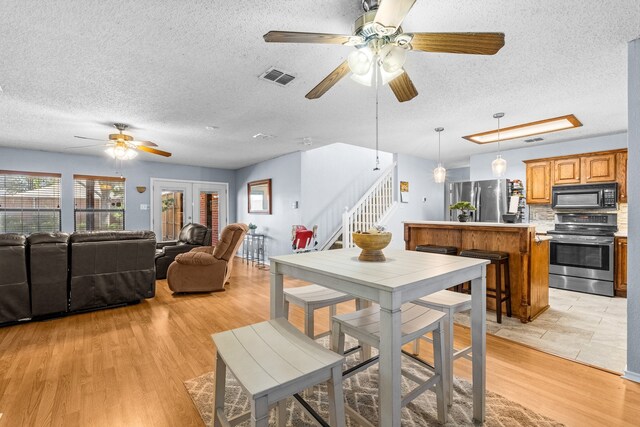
x: 364, y: 325
x: 273, y: 360
x: 312, y: 298
x: 450, y: 303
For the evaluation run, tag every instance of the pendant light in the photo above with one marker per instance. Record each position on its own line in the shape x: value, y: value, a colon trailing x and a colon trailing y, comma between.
x: 499, y: 165
x: 439, y: 173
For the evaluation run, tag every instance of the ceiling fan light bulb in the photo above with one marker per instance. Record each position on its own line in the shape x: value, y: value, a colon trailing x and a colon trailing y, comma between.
x: 386, y: 77
x: 499, y: 166
x: 359, y: 62
x: 120, y: 152
x: 130, y: 154
x: 439, y: 174
x: 365, y: 79
x: 394, y: 60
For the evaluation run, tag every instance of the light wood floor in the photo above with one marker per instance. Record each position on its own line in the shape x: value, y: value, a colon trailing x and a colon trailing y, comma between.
x: 126, y: 366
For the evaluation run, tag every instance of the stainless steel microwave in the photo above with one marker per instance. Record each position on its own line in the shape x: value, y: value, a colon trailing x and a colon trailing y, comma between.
x: 588, y: 196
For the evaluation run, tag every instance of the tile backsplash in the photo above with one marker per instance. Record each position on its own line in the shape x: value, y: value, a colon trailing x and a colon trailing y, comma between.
x: 543, y: 216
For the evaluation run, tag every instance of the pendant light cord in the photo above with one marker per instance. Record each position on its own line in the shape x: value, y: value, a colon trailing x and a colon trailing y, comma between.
x: 499, y: 151
x: 439, y: 162
x: 377, y: 168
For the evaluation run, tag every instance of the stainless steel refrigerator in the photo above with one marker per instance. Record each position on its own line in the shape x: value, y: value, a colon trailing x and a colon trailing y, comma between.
x: 489, y: 197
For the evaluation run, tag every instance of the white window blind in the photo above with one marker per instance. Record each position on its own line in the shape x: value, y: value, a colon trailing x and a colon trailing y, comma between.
x: 29, y: 202
x: 99, y: 203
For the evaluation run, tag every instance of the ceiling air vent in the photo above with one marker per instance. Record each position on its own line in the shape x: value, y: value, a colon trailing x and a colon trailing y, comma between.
x: 531, y: 140
x: 279, y: 77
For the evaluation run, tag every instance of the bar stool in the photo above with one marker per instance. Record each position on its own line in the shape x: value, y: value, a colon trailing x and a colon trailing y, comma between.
x: 450, y: 303
x: 434, y: 249
x: 501, y: 262
x: 364, y: 325
x: 444, y: 250
x: 273, y: 360
x: 312, y: 298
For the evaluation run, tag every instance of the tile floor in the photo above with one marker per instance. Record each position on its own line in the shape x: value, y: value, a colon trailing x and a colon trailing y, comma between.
x: 584, y: 327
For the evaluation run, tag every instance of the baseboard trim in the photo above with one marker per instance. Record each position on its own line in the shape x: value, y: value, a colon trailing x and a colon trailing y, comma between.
x: 631, y: 376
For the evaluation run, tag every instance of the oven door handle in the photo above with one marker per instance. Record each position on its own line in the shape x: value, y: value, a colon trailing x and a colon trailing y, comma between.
x: 577, y: 242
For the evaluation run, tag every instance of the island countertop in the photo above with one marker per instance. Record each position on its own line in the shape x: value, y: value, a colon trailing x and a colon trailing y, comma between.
x: 472, y: 224
x: 528, y: 256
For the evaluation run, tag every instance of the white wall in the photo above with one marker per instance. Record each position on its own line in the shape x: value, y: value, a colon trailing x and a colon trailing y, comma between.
x: 419, y: 173
x: 137, y: 173
x: 633, y: 174
x: 284, y: 172
x: 480, y: 164
x: 334, y: 177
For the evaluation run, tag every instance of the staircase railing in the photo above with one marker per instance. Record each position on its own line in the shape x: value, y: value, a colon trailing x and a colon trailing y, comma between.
x: 374, y: 206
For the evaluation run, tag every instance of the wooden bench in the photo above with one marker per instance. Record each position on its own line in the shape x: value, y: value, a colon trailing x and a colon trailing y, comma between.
x: 364, y: 325
x: 312, y: 298
x: 273, y: 360
x: 450, y: 303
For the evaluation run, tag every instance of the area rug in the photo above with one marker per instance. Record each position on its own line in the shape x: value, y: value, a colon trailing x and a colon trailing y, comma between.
x: 361, y: 394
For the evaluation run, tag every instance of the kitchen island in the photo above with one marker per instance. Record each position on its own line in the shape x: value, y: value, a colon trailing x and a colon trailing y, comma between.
x: 528, y: 256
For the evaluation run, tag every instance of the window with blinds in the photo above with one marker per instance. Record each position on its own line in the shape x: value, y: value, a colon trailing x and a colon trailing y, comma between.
x: 29, y: 202
x: 99, y: 203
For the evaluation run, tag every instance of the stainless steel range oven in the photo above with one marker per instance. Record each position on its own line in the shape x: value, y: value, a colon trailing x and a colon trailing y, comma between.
x: 581, y: 257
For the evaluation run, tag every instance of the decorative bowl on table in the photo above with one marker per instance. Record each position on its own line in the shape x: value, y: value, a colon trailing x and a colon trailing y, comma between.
x: 372, y: 244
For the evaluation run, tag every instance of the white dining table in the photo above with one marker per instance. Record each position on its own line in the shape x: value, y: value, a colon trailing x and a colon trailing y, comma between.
x: 403, y: 277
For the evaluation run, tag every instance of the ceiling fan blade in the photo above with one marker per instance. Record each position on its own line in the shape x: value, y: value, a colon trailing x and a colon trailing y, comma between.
x: 470, y: 43
x: 86, y: 146
x: 329, y: 81
x: 295, y: 37
x: 403, y: 87
x: 390, y: 15
x: 145, y: 143
x: 153, y: 151
x: 90, y: 139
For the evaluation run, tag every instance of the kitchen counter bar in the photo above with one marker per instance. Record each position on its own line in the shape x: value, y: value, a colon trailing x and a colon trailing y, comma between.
x: 528, y: 258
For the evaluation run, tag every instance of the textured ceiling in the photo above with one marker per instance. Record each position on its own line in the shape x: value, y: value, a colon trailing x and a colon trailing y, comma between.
x: 171, y: 68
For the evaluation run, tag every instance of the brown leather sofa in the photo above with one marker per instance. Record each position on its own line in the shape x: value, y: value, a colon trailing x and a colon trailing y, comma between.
x: 48, y: 272
x: 191, y: 236
x: 14, y: 286
x: 111, y: 268
x: 207, y: 269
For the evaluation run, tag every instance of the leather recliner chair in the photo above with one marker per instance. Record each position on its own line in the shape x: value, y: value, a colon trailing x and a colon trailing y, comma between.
x: 191, y: 236
x: 207, y: 269
x: 111, y: 268
x: 48, y: 272
x: 14, y: 287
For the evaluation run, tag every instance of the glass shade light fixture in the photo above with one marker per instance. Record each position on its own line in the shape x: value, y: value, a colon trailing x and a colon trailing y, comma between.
x: 368, y: 64
x: 499, y: 165
x: 439, y: 173
x: 121, y: 151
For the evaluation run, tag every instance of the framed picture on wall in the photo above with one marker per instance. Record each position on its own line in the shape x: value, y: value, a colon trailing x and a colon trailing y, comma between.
x: 259, y: 196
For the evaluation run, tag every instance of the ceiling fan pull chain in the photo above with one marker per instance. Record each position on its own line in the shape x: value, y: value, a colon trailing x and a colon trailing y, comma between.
x: 377, y: 168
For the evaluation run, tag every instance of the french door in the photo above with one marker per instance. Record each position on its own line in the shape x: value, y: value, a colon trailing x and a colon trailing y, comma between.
x: 176, y: 203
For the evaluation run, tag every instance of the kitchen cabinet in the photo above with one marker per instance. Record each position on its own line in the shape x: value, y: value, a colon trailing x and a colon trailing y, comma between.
x: 621, y: 267
x: 539, y: 182
x: 585, y: 168
x: 621, y: 176
x: 600, y: 168
x: 566, y: 171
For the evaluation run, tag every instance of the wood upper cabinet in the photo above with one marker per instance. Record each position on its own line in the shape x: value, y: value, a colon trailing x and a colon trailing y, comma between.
x: 621, y: 266
x: 566, y: 171
x: 601, y: 168
x: 621, y: 176
x: 539, y: 182
x: 587, y: 168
